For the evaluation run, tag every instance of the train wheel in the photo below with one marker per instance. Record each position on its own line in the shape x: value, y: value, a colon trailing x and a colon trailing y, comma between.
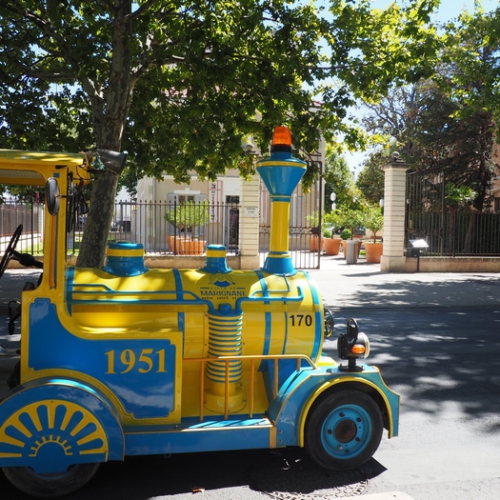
x: 14, y: 378
x: 60, y: 444
x: 50, y: 485
x: 343, y: 430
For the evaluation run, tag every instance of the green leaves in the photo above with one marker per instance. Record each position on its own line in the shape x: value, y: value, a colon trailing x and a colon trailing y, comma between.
x: 185, y: 81
x: 179, y: 84
x: 374, y: 49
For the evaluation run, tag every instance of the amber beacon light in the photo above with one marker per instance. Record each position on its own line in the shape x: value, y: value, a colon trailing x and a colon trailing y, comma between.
x: 282, y: 140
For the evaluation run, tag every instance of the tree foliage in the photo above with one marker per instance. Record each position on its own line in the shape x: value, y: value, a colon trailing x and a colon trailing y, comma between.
x: 180, y: 84
x: 338, y: 179
x: 395, y: 118
x: 460, y: 146
x: 371, y: 179
x: 449, y: 123
x: 374, y: 220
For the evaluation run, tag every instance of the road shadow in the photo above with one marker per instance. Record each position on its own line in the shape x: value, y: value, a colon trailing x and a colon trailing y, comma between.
x: 436, y: 358
x: 287, y: 473
x: 474, y: 291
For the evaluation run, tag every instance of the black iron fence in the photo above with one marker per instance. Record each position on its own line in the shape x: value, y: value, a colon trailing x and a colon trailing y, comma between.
x: 449, y: 229
x: 163, y: 228
x: 177, y: 228
x: 31, y: 216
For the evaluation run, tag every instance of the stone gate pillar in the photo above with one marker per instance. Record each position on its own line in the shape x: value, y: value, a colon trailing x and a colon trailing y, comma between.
x: 393, y: 259
x: 249, y: 224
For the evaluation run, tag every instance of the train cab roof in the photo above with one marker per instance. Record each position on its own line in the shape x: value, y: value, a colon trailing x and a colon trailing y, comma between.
x: 33, y: 168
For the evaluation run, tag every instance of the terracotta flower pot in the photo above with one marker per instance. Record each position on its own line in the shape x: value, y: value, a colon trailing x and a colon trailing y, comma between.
x: 373, y: 252
x: 172, y: 244
x: 313, y: 243
x: 332, y: 246
x: 191, y: 247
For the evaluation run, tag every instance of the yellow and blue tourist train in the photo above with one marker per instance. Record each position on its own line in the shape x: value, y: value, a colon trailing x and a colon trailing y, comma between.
x: 126, y: 360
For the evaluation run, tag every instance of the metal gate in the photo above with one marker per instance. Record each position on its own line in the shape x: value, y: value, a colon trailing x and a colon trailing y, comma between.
x: 305, y: 223
x: 449, y: 228
x: 425, y: 210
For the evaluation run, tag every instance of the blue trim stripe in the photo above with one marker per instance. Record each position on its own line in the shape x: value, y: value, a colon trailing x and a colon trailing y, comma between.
x: 70, y: 278
x: 285, y: 335
x: 277, y: 197
x: 318, y: 331
x: 180, y: 316
x: 265, y: 294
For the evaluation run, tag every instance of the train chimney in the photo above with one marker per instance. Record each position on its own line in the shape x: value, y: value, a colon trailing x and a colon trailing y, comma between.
x: 281, y: 173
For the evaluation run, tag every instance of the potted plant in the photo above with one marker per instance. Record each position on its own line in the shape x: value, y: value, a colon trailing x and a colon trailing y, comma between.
x: 316, y: 231
x: 351, y: 219
x: 331, y: 244
x: 345, y: 234
x: 374, y: 221
x: 186, y: 217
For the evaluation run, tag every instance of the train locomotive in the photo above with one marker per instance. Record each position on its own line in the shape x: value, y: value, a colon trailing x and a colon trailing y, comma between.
x: 124, y: 360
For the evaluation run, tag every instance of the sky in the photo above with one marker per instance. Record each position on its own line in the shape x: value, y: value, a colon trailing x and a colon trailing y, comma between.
x: 448, y: 10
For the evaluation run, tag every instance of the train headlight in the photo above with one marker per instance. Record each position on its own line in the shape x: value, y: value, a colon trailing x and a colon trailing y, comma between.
x: 353, y: 345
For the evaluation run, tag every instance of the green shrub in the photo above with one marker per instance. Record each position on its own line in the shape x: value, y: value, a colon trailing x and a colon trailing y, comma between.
x: 345, y: 234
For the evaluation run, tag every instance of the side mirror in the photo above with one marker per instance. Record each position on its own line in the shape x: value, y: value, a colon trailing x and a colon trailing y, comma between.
x: 52, y: 196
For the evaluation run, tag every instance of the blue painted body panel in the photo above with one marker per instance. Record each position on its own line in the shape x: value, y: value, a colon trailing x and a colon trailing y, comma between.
x: 287, y: 409
x: 143, y: 394
x: 218, y: 435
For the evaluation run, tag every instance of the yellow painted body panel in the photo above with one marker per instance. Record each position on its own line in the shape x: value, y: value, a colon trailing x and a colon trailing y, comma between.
x: 106, y: 306
x: 280, y: 218
x: 34, y: 168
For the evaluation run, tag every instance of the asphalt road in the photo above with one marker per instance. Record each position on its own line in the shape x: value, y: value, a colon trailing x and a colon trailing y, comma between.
x: 443, y: 361
x: 446, y: 365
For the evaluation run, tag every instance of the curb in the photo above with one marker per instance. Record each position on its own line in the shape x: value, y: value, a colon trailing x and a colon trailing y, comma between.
x: 392, y: 495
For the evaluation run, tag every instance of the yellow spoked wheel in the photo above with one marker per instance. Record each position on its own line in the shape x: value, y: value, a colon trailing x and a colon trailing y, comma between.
x: 57, y: 439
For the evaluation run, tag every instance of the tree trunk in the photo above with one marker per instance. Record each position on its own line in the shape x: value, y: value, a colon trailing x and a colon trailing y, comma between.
x: 93, y: 245
x: 109, y: 118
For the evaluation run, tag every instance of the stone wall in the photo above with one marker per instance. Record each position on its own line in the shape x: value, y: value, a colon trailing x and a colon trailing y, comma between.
x: 453, y: 264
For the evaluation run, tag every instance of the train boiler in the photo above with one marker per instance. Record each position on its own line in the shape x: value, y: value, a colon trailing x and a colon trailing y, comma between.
x: 126, y: 360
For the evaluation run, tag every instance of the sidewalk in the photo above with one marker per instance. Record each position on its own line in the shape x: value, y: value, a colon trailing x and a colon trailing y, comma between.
x: 362, y: 285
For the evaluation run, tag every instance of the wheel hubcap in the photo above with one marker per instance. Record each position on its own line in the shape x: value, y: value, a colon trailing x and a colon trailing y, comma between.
x: 346, y: 431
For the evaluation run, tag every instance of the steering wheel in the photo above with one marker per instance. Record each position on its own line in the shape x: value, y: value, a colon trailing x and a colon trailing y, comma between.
x: 10, y: 251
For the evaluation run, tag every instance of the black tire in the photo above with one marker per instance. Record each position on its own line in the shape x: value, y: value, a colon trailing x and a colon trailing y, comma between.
x: 343, y: 430
x: 50, y: 485
x: 15, y: 377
